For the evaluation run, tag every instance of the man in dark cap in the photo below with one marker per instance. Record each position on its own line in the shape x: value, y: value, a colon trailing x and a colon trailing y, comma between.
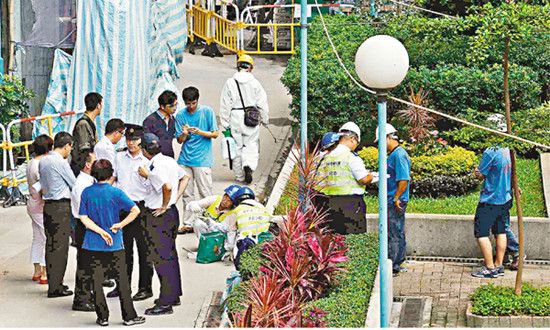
x: 168, y: 181
x: 127, y: 163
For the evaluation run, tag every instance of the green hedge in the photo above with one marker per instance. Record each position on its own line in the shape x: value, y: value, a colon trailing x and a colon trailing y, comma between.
x: 251, y: 260
x: 491, y: 300
x: 347, y: 302
x: 438, y: 49
x: 531, y: 124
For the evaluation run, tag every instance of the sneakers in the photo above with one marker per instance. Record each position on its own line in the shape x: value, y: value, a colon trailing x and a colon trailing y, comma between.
x: 134, y: 321
x: 515, y: 262
x: 102, y: 322
x: 485, y: 272
x: 500, y: 270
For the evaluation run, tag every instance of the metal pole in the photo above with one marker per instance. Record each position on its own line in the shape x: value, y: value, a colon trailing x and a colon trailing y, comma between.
x: 303, y: 91
x: 373, y: 12
x: 1, y: 59
x: 385, y: 276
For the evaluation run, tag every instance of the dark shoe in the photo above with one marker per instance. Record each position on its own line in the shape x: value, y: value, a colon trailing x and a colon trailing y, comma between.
x: 142, y: 295
x: 185, y: 230
x: 515, y: 262
x: 108, y: 283
x: 134, y: 321
x: 177, y: 303
x: 58, y: 294
x: 247, y: 175
x: 113, y: 294
x: 84, y: 307
x: 485, y: 272
x: 159, y: 310
x: 102, y: 322
x: 500, y: 270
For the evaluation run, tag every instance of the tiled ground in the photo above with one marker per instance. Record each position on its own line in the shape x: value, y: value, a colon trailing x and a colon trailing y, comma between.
x: 450, y: 285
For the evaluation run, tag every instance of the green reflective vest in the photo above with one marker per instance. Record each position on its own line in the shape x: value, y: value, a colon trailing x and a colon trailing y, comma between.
x: 337, y: 179
x: 252, y: 219
x: 213, y: 213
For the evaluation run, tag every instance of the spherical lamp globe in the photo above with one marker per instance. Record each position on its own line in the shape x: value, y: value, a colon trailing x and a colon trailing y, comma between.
x: 381, y: 62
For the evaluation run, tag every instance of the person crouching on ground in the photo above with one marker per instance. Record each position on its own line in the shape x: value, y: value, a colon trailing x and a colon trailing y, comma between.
x: 215, y: 209
x: 103, y: 247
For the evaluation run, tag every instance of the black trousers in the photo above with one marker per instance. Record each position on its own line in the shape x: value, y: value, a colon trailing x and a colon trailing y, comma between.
x: 109, y: 264
x: 57, y: 226
x: 346, y: 214
x: 135, y: 231
x: 161, y: 240
x: 83, y: 279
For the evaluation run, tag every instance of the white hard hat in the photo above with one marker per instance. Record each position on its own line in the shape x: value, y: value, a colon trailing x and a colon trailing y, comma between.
x: 389, y: 130
x: 351, y: 127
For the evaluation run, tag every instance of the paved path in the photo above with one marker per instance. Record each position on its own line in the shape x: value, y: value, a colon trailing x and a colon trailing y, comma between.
x: 24, y: 304
x: 450, y: 284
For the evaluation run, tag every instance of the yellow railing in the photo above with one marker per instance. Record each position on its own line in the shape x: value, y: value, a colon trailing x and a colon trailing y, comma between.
x: 226, y: 33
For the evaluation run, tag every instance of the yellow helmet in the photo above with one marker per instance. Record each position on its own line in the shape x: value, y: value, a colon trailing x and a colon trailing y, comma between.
x: 245, y: 58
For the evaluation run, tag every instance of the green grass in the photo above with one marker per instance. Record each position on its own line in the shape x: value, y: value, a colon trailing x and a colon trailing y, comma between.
x: 491, y: 300
x: 530, y: 180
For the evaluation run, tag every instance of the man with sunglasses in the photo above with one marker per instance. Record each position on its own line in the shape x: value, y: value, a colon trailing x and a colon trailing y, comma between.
x: 105, y: 148
x: 162, y: 122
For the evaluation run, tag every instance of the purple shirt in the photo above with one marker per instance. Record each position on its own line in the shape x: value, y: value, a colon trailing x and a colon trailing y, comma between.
x: 156, y: 124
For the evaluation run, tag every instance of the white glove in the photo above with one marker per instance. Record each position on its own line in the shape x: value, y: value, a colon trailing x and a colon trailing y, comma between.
x: 375, y: 177
x: 193, y: 207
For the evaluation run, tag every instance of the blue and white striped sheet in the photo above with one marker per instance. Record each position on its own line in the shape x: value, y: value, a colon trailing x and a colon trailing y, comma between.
x: 124, y: 51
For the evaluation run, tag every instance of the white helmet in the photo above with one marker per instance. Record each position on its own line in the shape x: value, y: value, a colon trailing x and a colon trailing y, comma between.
x: 351, y: 127
x: 389, y: 130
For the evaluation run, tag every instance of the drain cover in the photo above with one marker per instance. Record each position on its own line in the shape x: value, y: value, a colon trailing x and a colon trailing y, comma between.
x: 412, y: 311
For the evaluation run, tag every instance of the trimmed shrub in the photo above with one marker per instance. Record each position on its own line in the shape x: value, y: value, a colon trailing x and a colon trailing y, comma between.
x: 531, y: 124
x: 251, y: 260
x: 492, y: 300
x: 347, y: 302
x: 445, y: 174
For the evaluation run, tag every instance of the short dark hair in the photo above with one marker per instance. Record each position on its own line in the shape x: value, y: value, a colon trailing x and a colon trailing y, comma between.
x: 92, y: 100
x: 87, y: 159
x: 153, y: 149
x: 190, y: 94
x: 113, y: 125
x: 42, y: 144
x: 167, y: 98
x: 102, y: 170
x: 61, y: 139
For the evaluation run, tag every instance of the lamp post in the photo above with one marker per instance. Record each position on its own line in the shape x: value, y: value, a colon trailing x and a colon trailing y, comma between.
x: 303, y: 94
x: 382, y: 63
x: 1, y: 59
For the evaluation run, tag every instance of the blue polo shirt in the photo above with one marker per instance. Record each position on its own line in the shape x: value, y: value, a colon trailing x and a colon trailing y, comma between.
x: 196, y: 150
x: 496, y: 167
x: 399, y: 169
x: 102, y: 203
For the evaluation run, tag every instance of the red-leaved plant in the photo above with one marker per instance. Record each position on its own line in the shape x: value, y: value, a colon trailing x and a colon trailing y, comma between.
x: 302, y: 261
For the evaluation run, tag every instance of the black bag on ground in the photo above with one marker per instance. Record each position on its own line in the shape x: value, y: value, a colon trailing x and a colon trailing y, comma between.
x: 252, y: 115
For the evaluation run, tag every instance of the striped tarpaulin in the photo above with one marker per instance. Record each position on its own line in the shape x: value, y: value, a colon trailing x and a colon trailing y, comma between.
x: 124, y: 51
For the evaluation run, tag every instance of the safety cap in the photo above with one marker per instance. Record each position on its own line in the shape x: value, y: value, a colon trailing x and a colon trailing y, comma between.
x: 351, y: 127
x: 245, y: 58
x: 244, y: 193
x: 329, y: 139
x: 231, y: 191
x: 389, y: 130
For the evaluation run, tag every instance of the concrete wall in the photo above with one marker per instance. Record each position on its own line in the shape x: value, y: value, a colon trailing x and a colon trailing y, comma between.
x: 453, y: 235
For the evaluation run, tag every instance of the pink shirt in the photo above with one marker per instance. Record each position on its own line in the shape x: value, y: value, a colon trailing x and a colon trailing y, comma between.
x: 35, y: 203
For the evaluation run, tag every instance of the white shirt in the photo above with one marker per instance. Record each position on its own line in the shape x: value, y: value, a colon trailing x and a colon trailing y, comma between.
x: 162, y: 170
x: 356, y: 164
x: 128, y: 179
x: 105, y: 149
x: 83, y: 181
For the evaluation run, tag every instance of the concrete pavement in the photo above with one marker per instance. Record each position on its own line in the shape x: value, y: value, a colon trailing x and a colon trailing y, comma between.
x: 23, y: 303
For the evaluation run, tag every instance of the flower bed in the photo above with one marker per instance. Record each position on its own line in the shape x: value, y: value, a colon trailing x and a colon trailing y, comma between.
x: 345, y: 302
x: 492, y: 300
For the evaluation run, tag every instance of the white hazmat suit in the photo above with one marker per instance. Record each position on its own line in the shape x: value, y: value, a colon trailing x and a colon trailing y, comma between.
x: 232, y: 116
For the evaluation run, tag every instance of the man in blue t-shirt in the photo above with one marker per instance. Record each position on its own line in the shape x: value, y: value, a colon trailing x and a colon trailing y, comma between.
x: 399, y: 178
x: 103, y: 246
x: 493, y: 210
x: 195, y: 128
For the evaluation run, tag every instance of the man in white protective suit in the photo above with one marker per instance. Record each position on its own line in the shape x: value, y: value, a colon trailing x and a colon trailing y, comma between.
x: 243, y: 107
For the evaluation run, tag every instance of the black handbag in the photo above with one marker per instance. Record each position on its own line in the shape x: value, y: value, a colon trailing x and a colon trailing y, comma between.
x: 252, y: 114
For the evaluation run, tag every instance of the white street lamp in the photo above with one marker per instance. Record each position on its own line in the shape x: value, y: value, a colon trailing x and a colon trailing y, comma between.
x: 382, y: 63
